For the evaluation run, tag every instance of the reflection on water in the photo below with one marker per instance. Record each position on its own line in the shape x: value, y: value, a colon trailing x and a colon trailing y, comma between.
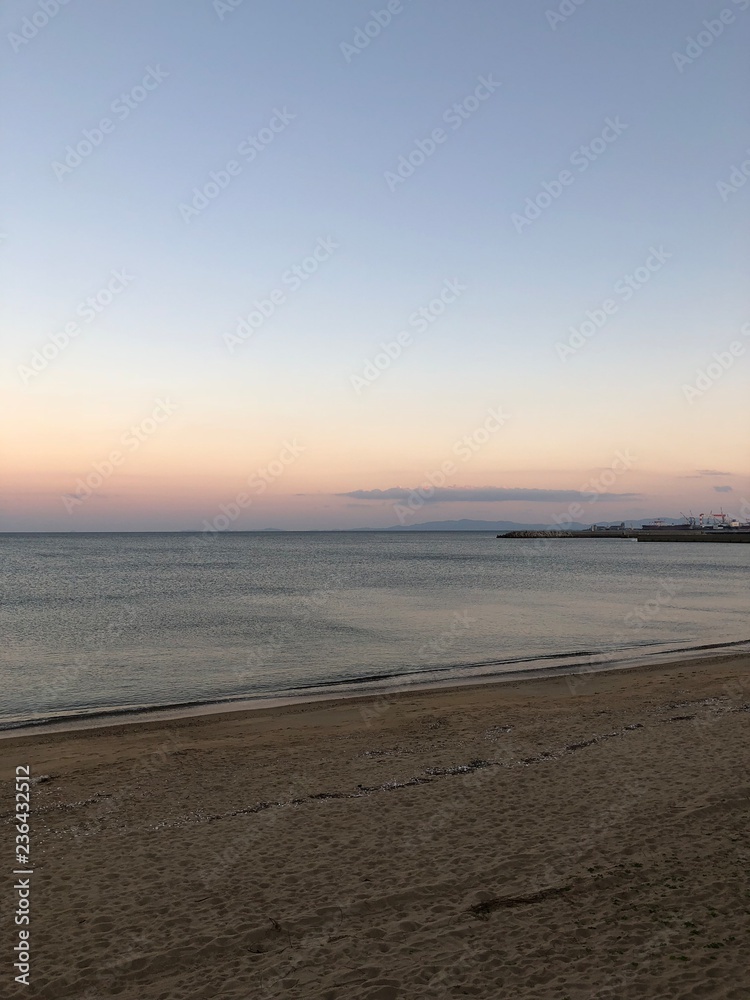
x: 101, y: 621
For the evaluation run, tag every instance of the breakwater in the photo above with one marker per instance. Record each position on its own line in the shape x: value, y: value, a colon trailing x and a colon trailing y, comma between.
x: 691, y: 535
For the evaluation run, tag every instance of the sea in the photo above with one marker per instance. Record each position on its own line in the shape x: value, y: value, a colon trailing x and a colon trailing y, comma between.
x: 101, y: 626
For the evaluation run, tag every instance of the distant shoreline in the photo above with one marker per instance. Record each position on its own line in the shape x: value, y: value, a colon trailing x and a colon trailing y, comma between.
x: 451, y: 527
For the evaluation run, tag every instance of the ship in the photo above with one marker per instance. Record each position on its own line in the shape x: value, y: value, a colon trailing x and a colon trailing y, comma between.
x: 710, y: 527
x: 704, y: 522
x: 659, y: 525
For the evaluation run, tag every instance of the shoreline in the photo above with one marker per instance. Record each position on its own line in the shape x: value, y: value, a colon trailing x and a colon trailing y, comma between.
x: 157, y: 716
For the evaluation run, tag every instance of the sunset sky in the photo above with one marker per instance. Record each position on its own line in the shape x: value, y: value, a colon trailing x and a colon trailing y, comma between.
x: 468, y: 184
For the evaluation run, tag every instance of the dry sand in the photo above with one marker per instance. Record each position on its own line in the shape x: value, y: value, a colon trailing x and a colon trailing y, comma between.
x: 510, y: 841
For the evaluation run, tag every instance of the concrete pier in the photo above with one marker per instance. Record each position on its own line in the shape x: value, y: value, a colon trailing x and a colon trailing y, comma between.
x: 691, y: 535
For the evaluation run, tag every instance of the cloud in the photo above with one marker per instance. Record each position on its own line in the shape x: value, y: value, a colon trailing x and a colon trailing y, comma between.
x: 707, y: 472
x: 482, y: 494
x: 723, y: 489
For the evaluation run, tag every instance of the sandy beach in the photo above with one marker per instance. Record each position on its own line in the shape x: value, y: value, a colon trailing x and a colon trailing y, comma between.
x: 542, y: 839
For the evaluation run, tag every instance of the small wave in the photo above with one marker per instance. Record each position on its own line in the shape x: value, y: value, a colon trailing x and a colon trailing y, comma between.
x: 365, y: 682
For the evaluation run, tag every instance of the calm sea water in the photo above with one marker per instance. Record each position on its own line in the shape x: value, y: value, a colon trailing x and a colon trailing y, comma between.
x: 96, y: 623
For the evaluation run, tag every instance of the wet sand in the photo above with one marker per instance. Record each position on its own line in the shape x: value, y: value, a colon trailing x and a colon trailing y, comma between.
x: 558, y: 838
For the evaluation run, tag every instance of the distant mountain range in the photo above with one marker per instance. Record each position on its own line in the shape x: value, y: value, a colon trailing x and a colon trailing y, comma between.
x: 466, y: 524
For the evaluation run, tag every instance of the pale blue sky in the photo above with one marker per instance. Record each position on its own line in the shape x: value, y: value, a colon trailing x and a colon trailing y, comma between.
x: 323, y: 176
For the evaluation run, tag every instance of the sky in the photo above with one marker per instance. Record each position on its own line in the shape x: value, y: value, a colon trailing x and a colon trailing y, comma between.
x: 273, y: 264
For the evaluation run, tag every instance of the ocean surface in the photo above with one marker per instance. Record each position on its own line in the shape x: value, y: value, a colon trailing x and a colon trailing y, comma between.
x: 107, y: 623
